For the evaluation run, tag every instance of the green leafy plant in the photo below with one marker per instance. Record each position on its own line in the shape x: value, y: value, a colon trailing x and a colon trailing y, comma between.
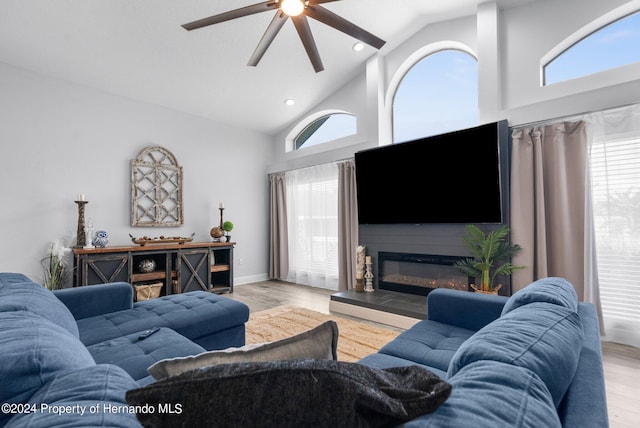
x: 491, y: 253
x: 227, y: 226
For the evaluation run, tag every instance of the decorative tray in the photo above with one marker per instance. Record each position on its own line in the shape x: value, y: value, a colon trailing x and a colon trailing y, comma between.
x: 161, y: 239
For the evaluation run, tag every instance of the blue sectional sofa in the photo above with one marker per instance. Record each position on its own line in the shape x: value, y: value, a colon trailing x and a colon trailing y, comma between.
x: 68, y: 357
x: 531, y: 360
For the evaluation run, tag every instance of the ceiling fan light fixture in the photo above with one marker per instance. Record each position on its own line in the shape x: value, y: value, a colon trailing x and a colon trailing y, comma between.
x: 292, y: 7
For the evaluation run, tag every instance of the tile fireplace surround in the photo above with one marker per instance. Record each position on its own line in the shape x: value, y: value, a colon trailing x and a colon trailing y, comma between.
x: 403, y: 282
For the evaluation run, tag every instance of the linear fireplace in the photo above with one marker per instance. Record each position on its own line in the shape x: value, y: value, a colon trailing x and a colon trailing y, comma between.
x: 420, y: 273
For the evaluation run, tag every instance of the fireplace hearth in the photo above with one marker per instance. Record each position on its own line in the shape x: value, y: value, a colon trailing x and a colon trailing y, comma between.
x: 420, y: 273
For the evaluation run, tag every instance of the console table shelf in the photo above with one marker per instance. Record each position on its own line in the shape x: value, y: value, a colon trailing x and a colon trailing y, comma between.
x: 184, y: 267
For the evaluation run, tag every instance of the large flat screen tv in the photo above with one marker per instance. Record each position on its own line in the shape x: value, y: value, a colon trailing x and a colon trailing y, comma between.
x: 455, y: 177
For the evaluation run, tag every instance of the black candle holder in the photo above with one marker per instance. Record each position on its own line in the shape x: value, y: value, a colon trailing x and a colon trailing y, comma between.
x: 81, y: 237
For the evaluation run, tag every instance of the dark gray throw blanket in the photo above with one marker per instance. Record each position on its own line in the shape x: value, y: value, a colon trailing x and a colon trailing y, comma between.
x: 302, y: 393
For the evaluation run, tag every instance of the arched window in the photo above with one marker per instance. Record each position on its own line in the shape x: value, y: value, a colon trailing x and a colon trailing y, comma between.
x: 438, y: 94
x: 328, y: 127
x: 591, y: 51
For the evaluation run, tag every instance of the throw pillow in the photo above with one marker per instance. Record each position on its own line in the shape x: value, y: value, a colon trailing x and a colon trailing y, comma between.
x: 302, y: 393
x: 557, y: 291
x: 320, y: 342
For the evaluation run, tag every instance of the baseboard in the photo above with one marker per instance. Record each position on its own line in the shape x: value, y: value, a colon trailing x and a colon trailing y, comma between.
x: 381, y: 317
x: 249, y: 279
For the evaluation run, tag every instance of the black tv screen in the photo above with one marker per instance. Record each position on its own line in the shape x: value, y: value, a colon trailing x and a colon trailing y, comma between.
x: 447, y: 178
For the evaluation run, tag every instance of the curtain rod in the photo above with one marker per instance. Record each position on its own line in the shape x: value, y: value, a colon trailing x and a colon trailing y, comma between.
x: 571, y: 117
x: 309, y: 166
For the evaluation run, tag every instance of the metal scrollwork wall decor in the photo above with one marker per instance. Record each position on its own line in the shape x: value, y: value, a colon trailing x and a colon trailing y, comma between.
x: 156, y: 188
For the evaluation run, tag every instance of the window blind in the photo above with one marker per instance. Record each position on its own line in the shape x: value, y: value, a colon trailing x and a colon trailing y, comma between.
x: 615, y: 174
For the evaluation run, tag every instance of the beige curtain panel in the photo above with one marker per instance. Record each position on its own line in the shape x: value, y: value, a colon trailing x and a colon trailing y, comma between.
x: 348, y: 225
x: 278, y: 236
x: 550, y: 207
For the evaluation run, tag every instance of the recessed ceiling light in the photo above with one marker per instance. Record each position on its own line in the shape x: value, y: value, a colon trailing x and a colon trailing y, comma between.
x: 289, y: 102
x: 357, y: 47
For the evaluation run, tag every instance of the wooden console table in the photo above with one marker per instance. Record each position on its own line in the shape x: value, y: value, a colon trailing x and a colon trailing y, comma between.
x: 184, y: 267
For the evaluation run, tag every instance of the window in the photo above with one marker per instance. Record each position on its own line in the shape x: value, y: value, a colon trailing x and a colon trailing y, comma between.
x: 327, y: 128
x: 611, y: 46
x: 438, y: 94
x: 615, y: 176
x: 312, y: 215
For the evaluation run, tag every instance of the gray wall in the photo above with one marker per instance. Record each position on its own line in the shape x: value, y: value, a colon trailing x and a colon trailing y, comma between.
x: 59, y: 139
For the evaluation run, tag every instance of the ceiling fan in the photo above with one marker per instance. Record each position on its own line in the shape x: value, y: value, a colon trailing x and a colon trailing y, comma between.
x: 297, y: 10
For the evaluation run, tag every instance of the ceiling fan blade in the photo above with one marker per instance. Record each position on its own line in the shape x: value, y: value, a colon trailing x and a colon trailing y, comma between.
x: 314, y: 2
x: 272, y: 31
x: 329, y: 18
x: 304, y: 31
x: 232, y: 14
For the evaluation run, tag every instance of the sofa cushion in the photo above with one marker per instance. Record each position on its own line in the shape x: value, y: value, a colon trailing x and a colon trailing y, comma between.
x: 89, y: 397
x: 557, y: 291
x: 429, y: 343
x: 135, y: 354
x: 33, y: 351
x: 493, y: 394
x: 193, y: 314
x: 32, y: 297
x: 542, y: 337
x: 12, y: 278
x: 300, y: 393
x: 317, y: 343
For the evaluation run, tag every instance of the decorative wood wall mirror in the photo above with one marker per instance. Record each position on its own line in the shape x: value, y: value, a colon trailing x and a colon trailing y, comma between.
x: 156, y: 188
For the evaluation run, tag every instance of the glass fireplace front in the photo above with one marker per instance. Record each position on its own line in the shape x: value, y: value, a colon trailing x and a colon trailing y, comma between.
x: 419, y: 273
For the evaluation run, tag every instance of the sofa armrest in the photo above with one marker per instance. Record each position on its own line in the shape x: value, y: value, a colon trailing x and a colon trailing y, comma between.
x: 585, y: 403
x: 92, y: 300
x: 464, y: 309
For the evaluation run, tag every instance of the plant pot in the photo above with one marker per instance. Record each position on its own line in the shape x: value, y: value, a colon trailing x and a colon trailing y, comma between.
x: 493, y: 291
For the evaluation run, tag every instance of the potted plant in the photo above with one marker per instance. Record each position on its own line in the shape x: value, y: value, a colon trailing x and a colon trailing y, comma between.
x: 55, y: 272
x: 491, y: 253
x: 227, y: 226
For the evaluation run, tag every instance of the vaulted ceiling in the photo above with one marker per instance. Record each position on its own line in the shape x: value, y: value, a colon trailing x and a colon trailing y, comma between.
x: 138, y: 49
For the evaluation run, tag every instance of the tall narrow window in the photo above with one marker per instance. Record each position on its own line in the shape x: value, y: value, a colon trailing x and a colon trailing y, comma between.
x: 312, y: 214
x: 439, y: 94
x: 611, y: 46
x: 615, y: 169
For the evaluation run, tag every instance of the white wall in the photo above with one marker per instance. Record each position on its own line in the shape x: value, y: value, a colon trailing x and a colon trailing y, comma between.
x: 60, y: 139
x: 529, y: 33
x: 509, y: 64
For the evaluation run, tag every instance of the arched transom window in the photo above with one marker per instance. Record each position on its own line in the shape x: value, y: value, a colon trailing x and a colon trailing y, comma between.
x: 590, y: 51
x: 326, y: 128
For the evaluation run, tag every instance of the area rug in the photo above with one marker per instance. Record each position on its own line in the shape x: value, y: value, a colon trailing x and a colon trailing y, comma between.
x: 357, y: 339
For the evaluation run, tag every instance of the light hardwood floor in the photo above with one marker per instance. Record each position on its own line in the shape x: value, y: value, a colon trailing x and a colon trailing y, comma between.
x: 621, y: 363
